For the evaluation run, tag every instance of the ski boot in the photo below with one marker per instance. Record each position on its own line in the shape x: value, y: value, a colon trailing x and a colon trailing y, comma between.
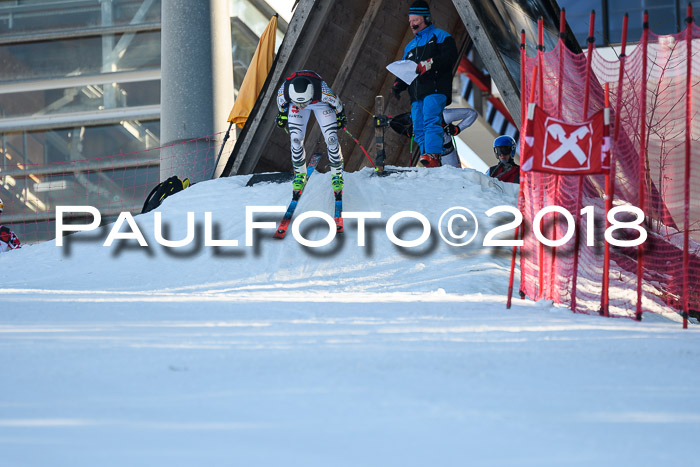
x: 430, y: 160
x: 298, y: 184
x: 337, y: 183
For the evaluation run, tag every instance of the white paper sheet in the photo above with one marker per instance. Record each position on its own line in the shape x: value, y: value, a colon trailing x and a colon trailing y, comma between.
x: 405, y: 70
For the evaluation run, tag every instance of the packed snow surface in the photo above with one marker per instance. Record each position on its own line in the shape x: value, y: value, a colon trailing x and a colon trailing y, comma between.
x: 280, y: 354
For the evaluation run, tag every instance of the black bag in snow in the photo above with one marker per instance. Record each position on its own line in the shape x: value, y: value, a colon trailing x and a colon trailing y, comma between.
x: 162, y: 191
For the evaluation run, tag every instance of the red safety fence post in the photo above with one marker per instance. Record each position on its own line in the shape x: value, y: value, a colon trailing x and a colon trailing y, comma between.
x: 586, y: 97
x: 610, y: 178
x: 513, y: 257
x: 642, y: 158
x: 540, y: 100
x: 608, y: 203
x: 688, y: 115
x: 560, y: 92
x: 562, y: 32
x: 523, y: 119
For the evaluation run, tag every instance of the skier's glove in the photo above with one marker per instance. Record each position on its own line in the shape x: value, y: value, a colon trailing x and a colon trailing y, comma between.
x: 424, y: 66
x: 282, y: 120
x: 341, y: 119
x: 452, y: 130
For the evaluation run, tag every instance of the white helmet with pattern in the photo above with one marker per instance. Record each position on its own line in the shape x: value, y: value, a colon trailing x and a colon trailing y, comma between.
x: 301, y: 91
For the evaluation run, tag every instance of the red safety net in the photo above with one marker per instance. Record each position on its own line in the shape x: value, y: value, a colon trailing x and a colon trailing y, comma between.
x: 656, y: 167
x: 113, y: 184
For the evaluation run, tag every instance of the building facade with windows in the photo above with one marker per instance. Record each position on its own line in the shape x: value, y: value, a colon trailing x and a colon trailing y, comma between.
x: 80, y: 81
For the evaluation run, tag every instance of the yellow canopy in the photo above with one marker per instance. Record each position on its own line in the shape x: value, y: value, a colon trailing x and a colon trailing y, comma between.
x: 255, y: 76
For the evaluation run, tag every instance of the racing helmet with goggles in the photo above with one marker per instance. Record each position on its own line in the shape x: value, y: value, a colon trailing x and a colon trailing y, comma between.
x: 301, y: 91
x: 504, y: 145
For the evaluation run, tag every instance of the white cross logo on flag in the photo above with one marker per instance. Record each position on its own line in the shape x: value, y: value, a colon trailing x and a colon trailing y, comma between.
x: 557, y: 147
x: 564, y: 139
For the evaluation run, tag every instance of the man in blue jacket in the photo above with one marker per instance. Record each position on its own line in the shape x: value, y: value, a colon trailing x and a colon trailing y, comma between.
x: 435, y: 54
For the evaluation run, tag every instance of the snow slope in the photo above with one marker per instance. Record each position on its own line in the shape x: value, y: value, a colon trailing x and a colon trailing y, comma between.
x: 344, y: 355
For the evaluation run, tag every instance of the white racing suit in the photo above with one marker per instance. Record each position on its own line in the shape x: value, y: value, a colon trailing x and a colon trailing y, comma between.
x: 465, y: 117
x: 325, y: 105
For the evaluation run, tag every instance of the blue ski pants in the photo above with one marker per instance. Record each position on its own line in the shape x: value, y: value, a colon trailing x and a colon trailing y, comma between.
x: 427, y: 123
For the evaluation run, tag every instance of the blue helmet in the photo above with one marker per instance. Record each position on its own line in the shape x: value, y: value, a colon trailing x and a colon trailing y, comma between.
x: 504, y: 145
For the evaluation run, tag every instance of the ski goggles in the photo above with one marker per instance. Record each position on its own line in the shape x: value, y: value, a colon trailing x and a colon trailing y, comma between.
x: 505, y: 150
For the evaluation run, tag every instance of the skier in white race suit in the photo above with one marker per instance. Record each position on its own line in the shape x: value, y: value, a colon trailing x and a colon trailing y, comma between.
x: 301, y: 93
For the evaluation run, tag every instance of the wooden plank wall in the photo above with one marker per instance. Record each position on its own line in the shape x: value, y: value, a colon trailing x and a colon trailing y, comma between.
x: 350, y: 50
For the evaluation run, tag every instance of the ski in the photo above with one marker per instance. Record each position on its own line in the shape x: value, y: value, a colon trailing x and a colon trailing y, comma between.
x: 339, y: 212
x: 284, y: 224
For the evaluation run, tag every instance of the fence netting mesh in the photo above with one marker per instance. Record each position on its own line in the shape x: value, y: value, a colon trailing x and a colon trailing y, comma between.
x: 649, y: 171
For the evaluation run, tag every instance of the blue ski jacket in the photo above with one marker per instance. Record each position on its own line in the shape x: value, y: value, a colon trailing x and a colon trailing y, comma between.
x: 438, y: 45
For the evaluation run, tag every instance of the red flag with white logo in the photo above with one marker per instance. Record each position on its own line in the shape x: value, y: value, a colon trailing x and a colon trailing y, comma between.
x: 565, y: 148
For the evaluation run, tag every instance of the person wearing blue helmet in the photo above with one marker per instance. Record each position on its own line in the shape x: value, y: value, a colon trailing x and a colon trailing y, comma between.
x: 506, y: 170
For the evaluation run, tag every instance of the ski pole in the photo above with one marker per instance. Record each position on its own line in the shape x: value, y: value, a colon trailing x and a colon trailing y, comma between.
x: 365, y: 110
x: 454, y: 145
x: 370, y: 113
x: 361, y: 147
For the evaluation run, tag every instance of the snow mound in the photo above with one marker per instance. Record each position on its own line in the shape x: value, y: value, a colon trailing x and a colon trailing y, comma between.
x: 343, y: 355
x: 379, y: 266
